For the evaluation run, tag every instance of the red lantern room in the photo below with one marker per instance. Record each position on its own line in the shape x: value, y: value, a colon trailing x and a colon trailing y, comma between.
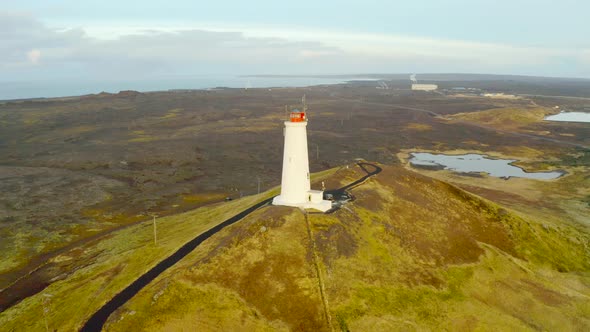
x: 297, y: 116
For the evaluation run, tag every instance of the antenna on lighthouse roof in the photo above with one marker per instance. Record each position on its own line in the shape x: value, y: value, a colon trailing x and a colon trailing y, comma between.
x: 304, y: 103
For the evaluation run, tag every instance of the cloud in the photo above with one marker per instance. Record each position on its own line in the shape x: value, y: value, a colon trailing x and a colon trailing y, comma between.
x: 429, y: 51
x: 585, y: 57
x: 142, y: 53
x: 34, y: 56
x: 32, y: 50
x: 24, y: 39
x: 316, y: 54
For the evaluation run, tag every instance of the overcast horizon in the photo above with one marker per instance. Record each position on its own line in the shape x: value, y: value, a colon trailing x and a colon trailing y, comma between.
x: 69, y: 41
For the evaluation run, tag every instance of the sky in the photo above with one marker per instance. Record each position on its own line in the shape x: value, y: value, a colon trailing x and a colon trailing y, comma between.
x: 118, y: 40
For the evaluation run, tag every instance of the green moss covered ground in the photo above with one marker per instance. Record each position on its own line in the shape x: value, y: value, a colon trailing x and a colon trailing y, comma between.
x: 410, y: 253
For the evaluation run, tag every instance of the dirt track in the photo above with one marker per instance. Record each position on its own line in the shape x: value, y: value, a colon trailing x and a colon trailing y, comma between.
x: 97, y: 320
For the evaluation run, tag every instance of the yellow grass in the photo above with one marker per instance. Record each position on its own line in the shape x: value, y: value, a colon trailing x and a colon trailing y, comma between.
x: 252, y: 276
x: 172, y: 113
x: 141, y: 136
x: 203, y: 198
x: 118, y: 259
x: 419, y: 126
x: 507, y: 118
x: 114, y: 263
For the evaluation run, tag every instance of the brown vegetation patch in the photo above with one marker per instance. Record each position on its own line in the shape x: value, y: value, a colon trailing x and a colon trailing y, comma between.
x: 270, y: 274
x: 287, y: 300
x: 547, y: 296
x: 270, y: 217
x: 500, y: 196
x: 334, y: 242
x: 417, y: 277
x: 438, y: 221
x: 368, y: 200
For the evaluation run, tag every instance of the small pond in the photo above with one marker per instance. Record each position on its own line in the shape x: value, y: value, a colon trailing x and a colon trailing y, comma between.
x: 570, y: 117
x: 475, y: 163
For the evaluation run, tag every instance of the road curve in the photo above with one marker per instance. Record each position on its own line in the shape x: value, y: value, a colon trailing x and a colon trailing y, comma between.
x: 99, y: 318
x: 362, y: 165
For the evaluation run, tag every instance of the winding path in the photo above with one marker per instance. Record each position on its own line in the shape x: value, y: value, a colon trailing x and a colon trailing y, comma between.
x: 98, y: 319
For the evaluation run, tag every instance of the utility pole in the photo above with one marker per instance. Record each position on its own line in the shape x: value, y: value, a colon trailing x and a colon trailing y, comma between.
x: 45, y: 301
x: 258, y: 184
x: 304, y: 103
x: 317, y: 151
x: 155, y: 231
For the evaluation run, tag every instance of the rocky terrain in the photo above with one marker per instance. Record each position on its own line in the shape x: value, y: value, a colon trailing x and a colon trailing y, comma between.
x: 410, y: 253
x: 80, y: 176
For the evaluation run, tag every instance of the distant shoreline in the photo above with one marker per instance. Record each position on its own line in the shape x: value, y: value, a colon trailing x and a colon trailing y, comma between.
x: 44, y: 90
x: 47, y: 89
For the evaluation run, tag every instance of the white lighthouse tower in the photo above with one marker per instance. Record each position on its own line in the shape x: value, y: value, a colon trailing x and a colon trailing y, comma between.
x: 295, y: 184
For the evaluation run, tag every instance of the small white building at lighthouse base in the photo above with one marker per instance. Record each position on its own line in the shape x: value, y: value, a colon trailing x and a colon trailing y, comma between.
x: 315, y: 200
x: 295, y: 184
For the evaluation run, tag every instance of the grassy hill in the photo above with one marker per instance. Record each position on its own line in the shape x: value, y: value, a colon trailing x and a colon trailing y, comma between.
x: 410, y: 253
x: 74, y: 169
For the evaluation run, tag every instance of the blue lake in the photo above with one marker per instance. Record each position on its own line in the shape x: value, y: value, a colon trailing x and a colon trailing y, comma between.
x: 570, y: 117
x: 475, y: 163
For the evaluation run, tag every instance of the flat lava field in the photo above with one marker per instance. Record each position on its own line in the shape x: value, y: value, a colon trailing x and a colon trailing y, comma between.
x: 76, y: 172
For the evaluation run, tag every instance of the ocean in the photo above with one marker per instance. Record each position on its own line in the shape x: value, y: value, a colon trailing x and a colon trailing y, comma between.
x: 60, y: 88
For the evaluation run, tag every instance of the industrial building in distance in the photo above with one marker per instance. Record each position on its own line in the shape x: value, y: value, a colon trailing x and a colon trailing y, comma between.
x: 424, y: 87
